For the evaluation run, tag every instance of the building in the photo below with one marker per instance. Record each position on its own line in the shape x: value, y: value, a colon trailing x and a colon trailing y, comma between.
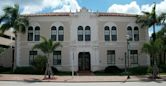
x: 90, y: 40
x: 6, y: 44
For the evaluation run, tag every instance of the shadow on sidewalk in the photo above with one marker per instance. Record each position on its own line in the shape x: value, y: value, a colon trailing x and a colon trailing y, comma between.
x: 32, y: 80
x: 149, y: 79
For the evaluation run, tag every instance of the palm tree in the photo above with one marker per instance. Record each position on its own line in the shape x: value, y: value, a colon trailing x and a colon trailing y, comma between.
x: 47, y: 47
x: 153, y: 48
x: 162, y: 35
x: 12, y: 19
x: 149, y: 19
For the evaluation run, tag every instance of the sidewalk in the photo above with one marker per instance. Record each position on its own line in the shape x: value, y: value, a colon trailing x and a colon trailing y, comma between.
x: 39, y: 78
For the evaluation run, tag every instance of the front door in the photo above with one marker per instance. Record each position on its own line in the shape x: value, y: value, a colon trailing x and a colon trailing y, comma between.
x: 84, y: 61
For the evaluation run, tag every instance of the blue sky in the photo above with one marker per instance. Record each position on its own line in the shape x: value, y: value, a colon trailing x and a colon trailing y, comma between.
x: 103, y: 5
x: 116, y: 6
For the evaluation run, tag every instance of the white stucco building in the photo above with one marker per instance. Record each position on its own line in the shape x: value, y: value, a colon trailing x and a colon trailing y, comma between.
x: 91, y: 40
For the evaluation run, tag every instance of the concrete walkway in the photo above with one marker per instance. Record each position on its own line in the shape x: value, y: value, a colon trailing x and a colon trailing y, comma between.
x: 39, y: 78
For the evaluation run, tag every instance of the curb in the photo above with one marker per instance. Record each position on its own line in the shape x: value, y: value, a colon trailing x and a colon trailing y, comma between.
x: 84, y: 81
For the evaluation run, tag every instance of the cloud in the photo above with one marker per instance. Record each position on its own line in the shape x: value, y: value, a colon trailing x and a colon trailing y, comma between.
x: 132, y: 8
x: 160, y: 7
x: 5, y: 3
x: 52, y: 5
x: 68, y: 5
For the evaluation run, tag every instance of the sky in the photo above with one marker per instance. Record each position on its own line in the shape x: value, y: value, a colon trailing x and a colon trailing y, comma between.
x: 116, y: 6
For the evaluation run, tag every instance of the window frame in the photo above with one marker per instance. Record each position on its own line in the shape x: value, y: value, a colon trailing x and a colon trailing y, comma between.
x: 130, y: 33
x: 61, y: 36
x: 111, y: 57
x: 80, y: 37
x: 57, y: 58
x: 54, y: 33
x: 32, y: 55
x: 106, y: 36
x: 30, y: 34
x: 136, y: 34
x: 134, y: 56
x: 37, y: 33
x: 87, y: 33
x: 114, y: 36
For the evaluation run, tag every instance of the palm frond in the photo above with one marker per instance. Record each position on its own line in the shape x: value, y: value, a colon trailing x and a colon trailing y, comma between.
x: 46, y: 46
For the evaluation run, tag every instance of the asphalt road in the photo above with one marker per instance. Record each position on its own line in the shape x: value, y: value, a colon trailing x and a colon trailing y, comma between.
x: 19, y: 83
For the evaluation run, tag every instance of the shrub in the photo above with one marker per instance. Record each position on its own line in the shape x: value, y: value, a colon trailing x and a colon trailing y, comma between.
x: 140, y: 70
x: 5, y: 69
x: 54, y: 70
x: 149, y: 70
x: 162, y: 68
x: 112, y: 69
x: 40, y: 63
x: 25, y: 70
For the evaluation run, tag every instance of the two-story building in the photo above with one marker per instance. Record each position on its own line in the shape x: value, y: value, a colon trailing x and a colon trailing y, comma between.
x: 90, y: 40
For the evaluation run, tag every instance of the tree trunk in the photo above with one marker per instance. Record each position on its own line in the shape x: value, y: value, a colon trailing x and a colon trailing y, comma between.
x: 155, y: 70
x: 154, y: 33
x: 15, y: 54
x: 48, y: 69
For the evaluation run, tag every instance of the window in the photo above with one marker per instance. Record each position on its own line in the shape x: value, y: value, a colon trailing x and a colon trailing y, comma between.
x: 80, y: 33
x: 114, y: 33
x: 37, y: 33
x: 60, y: 33
x: 57, y: 58
x: 30, y: 33
x: 87, y: 33
x: 53, y: 33
x: 32, y: 55
x: 110, y: 56
x: 136, y: 34
x: 129, y: 32
x: 134, y: 56
x: 107, y: 33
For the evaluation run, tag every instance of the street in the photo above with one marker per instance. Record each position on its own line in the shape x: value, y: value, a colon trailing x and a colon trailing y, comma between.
x: 19, y: 83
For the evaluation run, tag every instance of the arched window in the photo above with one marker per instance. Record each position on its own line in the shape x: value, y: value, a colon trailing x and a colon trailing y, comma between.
x: 107, y: 33
x: 136, y: 34
x: 87, y: 33
x: 60, y: 33
x: 37, y: 33
x: 80, y: 33
x: 129, y: 32
x: 30, y: 33
x: 113, y: 34
x: 53, y: 33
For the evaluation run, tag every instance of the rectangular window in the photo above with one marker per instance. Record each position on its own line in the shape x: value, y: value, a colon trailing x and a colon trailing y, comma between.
x: 57, y: 58
x: 114, y: 37
x: 37, y: 35
x: 32, y: 55
x: 80, y: 35
x: 60, y: 36
x: 87, y: 35
x: 136, y: 35
x: 30, y: 35
x: 53, y: 35
x: 133, y: 56
x: 107, y: 37
x: 111, y: 57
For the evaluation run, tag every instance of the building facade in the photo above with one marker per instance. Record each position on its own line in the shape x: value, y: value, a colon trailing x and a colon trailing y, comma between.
x: 6, y: 50
x: 90, y: 40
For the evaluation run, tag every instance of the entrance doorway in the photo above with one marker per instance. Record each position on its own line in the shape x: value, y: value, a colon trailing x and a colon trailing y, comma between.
x: 84, y: 61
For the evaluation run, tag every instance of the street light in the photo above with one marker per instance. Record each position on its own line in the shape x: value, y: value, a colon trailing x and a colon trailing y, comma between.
x: 128, y: 55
